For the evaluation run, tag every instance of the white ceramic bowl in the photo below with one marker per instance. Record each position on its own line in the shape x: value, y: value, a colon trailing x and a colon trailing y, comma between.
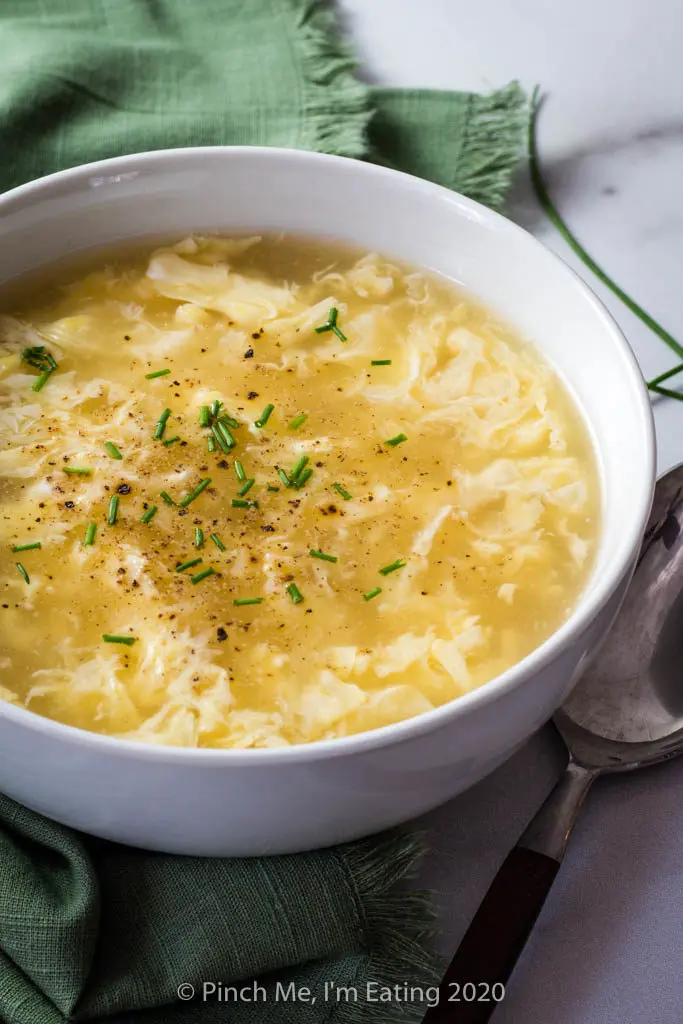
x: 286, y: 800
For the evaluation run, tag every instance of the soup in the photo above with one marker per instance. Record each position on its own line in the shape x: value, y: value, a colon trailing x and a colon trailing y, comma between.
x: 265, y: 491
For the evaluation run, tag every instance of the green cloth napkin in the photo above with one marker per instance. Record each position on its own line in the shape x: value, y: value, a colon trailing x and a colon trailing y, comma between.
x: 91, y: 931
x: 81, y: 80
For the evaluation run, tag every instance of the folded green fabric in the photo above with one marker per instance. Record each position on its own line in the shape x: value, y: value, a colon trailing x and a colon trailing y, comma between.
x: 81, y: 80
x: 91, y: 931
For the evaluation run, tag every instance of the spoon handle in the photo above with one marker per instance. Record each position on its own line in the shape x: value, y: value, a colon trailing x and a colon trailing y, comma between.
x: 475, y: 982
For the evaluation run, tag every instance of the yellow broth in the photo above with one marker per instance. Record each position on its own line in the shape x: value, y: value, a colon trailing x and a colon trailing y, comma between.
x: 490, y: 505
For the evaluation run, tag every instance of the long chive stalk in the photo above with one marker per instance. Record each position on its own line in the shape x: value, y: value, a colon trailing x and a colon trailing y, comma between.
x: 572, y: 241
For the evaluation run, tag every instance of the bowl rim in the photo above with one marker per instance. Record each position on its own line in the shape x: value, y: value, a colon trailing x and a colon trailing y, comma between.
x: 583, y: 614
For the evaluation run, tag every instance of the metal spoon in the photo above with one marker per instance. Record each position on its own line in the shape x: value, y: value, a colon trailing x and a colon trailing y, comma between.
x: 626, y: 713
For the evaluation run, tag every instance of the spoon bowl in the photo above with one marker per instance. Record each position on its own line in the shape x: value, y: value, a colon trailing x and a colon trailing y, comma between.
x: 627, y: 710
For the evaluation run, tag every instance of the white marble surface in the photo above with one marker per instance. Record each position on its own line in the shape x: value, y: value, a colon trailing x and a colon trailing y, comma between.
x: 608, y: 947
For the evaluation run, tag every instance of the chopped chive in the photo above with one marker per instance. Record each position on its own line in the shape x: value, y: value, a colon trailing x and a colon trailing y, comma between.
x: 205, y: 416
x: 218, y: 542
x: 170, y: 440
x: 42, y: 380
x: 380, y: 362
x: 167, y: 498
x: 300, y: 466
x: 331, y: 321
x: 341, y: 490
x: 398, y: 564
x: 239, y: 471
x: 150, y: 514
x: 332, y: 325
x: 264, y: 417
x: 240, y: 503
x: 211, y: 444
x: 271, y: 487
x: 27, y: 547
x: 295, y: 594
x: 113, y: 450
x: 399, y: 439
x: 156, y: 373
x: 229, y: 420
x: 34, y: 356
x: 195, y: 493
x: 113, y: 510
x: 161, y: 425
x: 303, y: 479
x: 187, y: 565
x: 222, y: 443
x: 323, y: 556
x: 246, y: 487
x: 224, y: 431
x: 283, y: 476
x: 78, y: 470
x: 242, y: 602
x: 111, y: 638
x: 23, y: 572
x: 90, y: 535
x: 202, y: 575
x: 41, y: 360
x: 199, y: 538
x: 298, y: 421
x: 324, y: 327
x: 372, y: 593
x: 215, y: 406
